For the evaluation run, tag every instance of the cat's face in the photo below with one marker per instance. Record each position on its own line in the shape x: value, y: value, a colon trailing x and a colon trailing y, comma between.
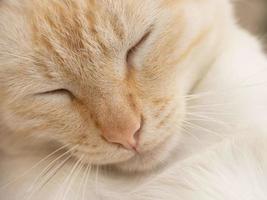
x: 106, y: 77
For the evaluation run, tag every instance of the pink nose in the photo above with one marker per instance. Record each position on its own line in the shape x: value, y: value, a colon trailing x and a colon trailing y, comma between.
x: 126, y: 134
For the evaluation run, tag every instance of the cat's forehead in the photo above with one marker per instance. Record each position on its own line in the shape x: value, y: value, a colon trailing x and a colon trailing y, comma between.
x: 95, y: 25
x: 89, y: 32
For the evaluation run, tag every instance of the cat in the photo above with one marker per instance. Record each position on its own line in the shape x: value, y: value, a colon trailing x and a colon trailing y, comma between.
x: 130, y: 99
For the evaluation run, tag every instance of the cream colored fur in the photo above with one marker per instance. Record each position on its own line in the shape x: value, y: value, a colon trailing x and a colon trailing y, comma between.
x: 215, y: 72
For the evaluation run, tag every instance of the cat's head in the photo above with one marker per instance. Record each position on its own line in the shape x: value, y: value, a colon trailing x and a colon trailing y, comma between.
x: 108, y: 78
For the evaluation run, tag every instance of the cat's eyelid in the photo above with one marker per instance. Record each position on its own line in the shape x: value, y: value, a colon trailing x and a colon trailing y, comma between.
x: 137, y: 45
x: 57, y: 91
x: 142, y: 40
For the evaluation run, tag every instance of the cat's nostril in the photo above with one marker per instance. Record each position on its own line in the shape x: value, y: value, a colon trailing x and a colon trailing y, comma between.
x: 127, y: 137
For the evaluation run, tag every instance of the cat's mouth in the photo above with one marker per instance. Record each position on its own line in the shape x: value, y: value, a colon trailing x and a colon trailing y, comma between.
x: 149, y: 158
x: 144, y: 158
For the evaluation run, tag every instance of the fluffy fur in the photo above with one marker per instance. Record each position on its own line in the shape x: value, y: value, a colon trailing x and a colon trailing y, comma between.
x: 196, y: 81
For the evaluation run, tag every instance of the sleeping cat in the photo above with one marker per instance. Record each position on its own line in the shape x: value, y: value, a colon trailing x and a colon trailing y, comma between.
x: 130, y: 100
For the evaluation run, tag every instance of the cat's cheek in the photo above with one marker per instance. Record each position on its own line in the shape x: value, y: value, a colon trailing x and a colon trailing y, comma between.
x: 35, y: 116
x: 56, y: 119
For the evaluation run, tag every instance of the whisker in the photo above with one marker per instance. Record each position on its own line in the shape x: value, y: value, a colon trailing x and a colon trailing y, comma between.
x: 190, y: 134
x: 50, y: 176
x: 223, y: 92
x: 78, y: 169
x: 199, y: 117
x: 96, y: 180
x: 211, y: 105
x: 83, y: 172
x: 240, y: 85
x: 204, y: 129
x: 33, y: 167
x: 204, y: 120
x: 46, y: 169
x: 216, y: 113
x: 88, y: 171
x: 225, y: 123
x: 81, y: 182
x: 68, y: 180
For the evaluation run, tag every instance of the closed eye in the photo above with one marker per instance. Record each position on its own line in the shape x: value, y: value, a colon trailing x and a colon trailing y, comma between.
x: 131, y: 51
x: 60, y: 91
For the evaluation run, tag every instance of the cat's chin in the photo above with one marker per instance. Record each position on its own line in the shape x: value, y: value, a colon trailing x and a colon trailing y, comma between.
x: 152, y: 159
x: 130, y: 161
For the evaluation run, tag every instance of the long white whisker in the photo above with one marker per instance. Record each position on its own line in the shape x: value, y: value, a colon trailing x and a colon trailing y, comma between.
x: 190, y: 134
x: 33, y: 167
x: 46, y: 169
x: 216, y: 113
x: 199, y: 117
x: 223, y: 92
x: 68, y: 180
x: 81, y: 182
x: 211, y: 105
x: 88, y: 171
x: 49, y: 176
x: 241, y: 84
x: 73, y: 177
x: 204, y: 129
x: 96, y: 180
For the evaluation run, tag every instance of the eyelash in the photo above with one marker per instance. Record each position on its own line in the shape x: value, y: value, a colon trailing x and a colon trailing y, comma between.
x: 130, y: 52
